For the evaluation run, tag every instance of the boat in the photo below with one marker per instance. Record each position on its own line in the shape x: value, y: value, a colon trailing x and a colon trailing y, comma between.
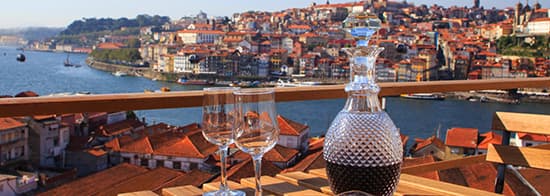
x: 424, y: 96
x: 187, y: 81
x: 120, y: 73
x: 68, y: 63
x: 164, y: 89
x: 21, y: 58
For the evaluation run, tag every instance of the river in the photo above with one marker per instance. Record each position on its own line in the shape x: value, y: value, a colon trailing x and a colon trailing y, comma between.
x: 44, y: 73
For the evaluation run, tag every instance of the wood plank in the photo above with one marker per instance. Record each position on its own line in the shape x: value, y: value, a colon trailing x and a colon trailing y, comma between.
x: 144, y: 101
x: 522, y: 122
x: 520, y: 156
x: 307, y: 180
x: 319, y: 172
x: 276, y: 186
x: 402, y: 188
x: 182, y: 190
x: 214, y: 186
x: 139, y: 193
x: 443, y: 165
x: 441, y: 188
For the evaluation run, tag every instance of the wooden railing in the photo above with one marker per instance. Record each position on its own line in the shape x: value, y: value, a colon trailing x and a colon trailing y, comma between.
x: 145, y: 101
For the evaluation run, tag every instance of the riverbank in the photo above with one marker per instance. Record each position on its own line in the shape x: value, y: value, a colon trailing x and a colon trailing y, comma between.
x: 133, y: 71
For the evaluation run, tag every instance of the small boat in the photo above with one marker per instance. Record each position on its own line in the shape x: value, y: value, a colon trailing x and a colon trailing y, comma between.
x: 186, y: 81
x: 164, y: 89
x: 120, y: 73
x: 21, y: 58
x: 424, y: 96
x: 68, y: 63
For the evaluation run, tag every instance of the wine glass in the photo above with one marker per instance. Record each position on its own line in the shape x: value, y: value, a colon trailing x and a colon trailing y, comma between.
x: 218, y: 112
x: 256, y: 129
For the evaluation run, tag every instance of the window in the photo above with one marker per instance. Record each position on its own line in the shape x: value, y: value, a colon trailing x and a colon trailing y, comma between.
x: 160, y: 163
x: 193, y: 166
x: 145, y: 162
x: 56, y: 142
x: 176, y: 165
x: 125, y: 160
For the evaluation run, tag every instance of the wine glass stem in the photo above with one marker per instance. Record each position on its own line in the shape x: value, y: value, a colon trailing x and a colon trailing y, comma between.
x: 223, y: 153
x: 258, y: 174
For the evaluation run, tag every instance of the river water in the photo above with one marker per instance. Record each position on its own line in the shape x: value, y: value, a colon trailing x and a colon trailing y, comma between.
x: 45, y: 74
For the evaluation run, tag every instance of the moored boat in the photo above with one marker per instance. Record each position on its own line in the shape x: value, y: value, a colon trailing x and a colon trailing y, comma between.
x: 120, y: 73
x: 424, y: 96
x: 187, y: 81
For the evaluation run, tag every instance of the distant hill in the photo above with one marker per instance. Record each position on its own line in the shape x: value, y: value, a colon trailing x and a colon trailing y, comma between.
x: 91, y: 25
x: 32, y: 33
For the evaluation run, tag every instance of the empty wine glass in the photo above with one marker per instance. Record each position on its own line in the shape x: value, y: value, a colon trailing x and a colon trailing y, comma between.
x: 218, y: 113
x: 256, y: 126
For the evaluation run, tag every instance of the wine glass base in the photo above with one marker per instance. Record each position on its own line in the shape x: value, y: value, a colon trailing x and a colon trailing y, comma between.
x: 225, y: 193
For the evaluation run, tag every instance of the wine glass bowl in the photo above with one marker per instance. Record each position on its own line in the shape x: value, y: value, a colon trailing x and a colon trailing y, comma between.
x: 256, y: 129
x: 218, y: 117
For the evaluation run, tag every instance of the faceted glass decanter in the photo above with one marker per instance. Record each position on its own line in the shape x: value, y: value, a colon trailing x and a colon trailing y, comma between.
x: 362, y: 148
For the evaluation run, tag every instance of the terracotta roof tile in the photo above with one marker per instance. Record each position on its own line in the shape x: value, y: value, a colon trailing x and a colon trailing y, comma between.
x: 119, y: 127
x: 537, y: 178
x: 421, y: 143
x: 140, y: 145
x: 27, y: 94
x: 150, y: 180
x: 10, y: 123
x: 462, y: 137
x: 311, y: 161
x: 534, y: 137
x: 489, y: 138
x: 482, y: 176
x: 289, y: 127
x: 434, y: 175
x: 280, y: 154
x: 95, y: 183
x: 194, y: 177
x: 245, y: 169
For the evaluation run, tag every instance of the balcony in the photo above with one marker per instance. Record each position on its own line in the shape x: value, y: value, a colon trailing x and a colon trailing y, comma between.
x: 293, y: 183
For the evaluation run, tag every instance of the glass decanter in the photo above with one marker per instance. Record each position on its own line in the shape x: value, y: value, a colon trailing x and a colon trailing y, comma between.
x: 362, y: 148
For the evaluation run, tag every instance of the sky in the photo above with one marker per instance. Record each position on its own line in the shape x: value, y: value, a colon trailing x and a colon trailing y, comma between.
x: 60, y: 13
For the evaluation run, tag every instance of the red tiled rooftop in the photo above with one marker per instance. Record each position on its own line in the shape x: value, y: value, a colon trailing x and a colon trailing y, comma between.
x: 194, y: 177
x: 537, y: 178
x: 119, y: 127
x: 421, y: 143
x: 150, y: 180
x: 10, y: 123
x: 27, y: 94
x: 280, y: 154
x: 489, y: 138
x: 245, y: 169
x: 289, y: 127
x: 462, y: 137
x: 534, y: 137
x: 311, y: 161
x: 434, y: 175
x: 96, y: 183
x: 110, y: 45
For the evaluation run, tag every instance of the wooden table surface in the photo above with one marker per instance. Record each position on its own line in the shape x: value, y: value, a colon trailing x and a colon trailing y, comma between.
x: 315, y: 183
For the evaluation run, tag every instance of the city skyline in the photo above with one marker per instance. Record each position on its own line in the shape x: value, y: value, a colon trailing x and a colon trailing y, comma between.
x: 44, y: 14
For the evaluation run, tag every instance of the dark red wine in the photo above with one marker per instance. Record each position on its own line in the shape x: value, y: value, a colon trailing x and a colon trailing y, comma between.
x: 373, y: 180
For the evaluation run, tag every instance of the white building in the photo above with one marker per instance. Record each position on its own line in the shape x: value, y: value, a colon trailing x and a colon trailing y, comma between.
x: 181, y: 151
x: 526, y: 139
x: 199, y: 36
x: 539, y: 26
x: 182, y: 63
x: 48, y: 140
x: 293, y: 135
x: 13, y: 141
x: 287, y: 44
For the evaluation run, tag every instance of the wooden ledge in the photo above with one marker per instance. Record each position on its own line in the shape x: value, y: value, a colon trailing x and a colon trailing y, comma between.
x: 144, y: 101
